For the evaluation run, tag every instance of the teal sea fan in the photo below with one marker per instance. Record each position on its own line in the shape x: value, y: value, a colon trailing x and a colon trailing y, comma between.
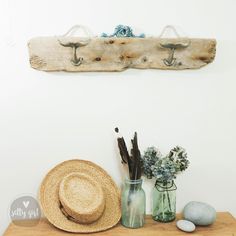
x: 123, y: 31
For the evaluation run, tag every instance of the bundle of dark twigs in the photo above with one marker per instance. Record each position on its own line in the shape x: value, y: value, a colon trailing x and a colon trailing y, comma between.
x: 133, y: 160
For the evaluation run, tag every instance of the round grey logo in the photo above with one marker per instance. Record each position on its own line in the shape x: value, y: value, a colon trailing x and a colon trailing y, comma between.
x: 25, y: 211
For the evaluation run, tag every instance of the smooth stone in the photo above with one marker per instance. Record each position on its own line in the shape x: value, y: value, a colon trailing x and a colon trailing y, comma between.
x: 185, y: 225
x: 199, y: 213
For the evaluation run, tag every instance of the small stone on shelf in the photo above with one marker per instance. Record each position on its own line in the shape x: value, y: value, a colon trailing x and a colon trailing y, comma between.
x: 185, y: 226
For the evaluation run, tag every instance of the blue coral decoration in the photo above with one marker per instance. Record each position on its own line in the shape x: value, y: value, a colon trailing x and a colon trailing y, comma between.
x: 123, y: 31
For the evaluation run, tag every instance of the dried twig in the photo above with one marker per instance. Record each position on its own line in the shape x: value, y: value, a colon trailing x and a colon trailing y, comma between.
x: 133, y: 160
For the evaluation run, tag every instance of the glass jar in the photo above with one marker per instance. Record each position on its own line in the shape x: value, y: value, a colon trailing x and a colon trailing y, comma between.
x: 164, y: 201
x: 133, y: 204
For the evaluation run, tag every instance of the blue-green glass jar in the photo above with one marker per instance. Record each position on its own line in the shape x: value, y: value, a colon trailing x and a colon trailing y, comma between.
x: 164, y: 201
x: 133, y: 204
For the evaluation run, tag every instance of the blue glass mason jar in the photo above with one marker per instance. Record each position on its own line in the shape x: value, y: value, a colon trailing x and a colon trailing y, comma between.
x: 164, y: 201
x: 133, y: 204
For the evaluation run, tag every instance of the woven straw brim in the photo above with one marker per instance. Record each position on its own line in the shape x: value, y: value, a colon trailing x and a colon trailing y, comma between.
x: 49, y: 197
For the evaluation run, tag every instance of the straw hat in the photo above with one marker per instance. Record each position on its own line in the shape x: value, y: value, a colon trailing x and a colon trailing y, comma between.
x: 80, y: 197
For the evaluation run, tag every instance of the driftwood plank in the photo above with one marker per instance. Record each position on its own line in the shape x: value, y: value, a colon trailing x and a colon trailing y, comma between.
x: 118, y: 54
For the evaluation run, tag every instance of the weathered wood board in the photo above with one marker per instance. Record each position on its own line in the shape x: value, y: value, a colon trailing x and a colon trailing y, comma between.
x: 118, y: 54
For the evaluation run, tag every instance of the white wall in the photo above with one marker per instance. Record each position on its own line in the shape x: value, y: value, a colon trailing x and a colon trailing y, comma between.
x: 46, y: 118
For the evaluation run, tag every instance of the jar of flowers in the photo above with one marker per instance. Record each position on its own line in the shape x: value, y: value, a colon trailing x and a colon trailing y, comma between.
x: 164, y: 169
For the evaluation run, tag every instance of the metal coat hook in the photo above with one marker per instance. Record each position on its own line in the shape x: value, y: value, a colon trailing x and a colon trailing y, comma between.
x: 76, y: 61
x: 170, y: 61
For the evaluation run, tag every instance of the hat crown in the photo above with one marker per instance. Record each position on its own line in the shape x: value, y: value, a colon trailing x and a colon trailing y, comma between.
x: 82, y: 197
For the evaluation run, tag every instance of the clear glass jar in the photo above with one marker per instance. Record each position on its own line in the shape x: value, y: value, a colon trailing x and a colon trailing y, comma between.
x: 133, y: 204
x: 164, y: 201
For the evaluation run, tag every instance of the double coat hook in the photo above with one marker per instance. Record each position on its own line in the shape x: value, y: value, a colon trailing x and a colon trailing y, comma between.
x: 170, y: 61
x: 76, y: 61
x: 172, y: 46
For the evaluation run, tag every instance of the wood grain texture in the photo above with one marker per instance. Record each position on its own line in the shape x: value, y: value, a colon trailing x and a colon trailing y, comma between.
x: 118, y: 54
x: 225, y: 225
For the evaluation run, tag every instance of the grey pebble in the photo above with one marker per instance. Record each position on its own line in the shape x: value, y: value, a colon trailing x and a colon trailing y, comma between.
x: 185, y: 225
